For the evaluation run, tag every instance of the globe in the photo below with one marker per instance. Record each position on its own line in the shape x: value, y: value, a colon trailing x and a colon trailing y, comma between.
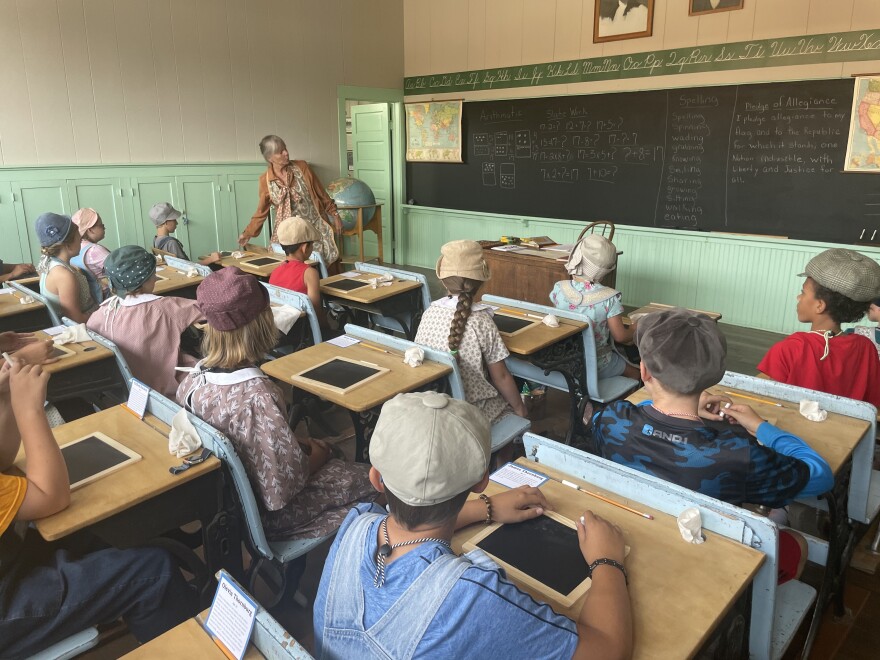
x: 348, y: 191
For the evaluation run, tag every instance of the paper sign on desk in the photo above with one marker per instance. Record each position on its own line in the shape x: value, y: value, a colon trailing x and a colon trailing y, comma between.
x: 513, y: 476
x: 343, y: 341
x: 55, y: 330
x: 232, y: 616
x: 137, y: 398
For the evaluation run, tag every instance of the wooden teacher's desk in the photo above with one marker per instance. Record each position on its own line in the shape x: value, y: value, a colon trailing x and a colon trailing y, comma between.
x: 681, y: 593
x: 528, y: 275
x: 141, y: 501
x: 834, y: 440
x: 398, y: 300
x: 175, y: 282
x: 362, y: 402
x: 14, y: 316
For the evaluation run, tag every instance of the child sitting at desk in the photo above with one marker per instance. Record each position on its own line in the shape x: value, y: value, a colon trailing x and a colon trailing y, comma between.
x: 165, y: 217
x: 27, y: 348
x: 682, y: 354
x: 302, y: 491
x: 14, y: 271
x: 871, y: 332
x: 392, y: 586
x: 92, y: 254
x: 592, y: 259
x: 296, y: 237
x: 47, y: 595
x: 144, y: 326
x: 839, y: 288
x: 457, y: 324
x: 65, y: 287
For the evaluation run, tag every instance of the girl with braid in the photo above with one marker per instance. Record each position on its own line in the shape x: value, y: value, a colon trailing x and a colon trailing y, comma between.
x: 457, y: 324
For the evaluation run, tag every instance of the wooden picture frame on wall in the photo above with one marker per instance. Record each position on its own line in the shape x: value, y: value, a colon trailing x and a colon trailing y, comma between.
x: 614, y: 20
x: 700, y: 7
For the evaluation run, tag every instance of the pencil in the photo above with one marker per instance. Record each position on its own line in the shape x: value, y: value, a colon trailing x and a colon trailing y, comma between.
x: 604, y: 499
x: 376, y: 348
x: 754, y: 398
x: 519, y: 313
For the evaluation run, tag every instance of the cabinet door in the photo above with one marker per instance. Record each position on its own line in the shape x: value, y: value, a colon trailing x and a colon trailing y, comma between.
x: 242, y: 191
x: 14, y: 246
x: 31, y: 199
x: 106, y: 197
x: 202, y: 213
x: 148, y: 191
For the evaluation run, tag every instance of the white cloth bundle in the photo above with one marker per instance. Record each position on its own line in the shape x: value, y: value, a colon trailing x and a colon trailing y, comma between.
x: 812, y: 411
x: 690, y: 524
x: 285, y: 317
x: 26, y: 300
x: 183, y: 439
x: 414, y: 356
x: 191, y: 272
x: 550, y: 321
x: 72, y: 335
x: 381, y: 280
x: 238, y: 254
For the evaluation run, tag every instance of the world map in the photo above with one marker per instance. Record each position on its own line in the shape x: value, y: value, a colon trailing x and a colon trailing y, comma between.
x: 433, y: 131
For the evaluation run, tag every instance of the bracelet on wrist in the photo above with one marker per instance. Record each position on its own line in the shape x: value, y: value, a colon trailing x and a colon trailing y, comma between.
x: 488, y: 503
x: 605, y: 561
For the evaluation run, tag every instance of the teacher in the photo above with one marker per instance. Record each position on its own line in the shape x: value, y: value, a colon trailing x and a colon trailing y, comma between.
x: 293, y: 189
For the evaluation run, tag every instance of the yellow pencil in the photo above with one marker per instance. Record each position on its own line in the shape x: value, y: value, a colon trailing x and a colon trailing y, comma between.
x: 573, y: 485
x: 754, y: 398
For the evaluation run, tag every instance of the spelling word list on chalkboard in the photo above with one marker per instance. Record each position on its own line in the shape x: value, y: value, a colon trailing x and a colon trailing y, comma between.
x: 763, y: 159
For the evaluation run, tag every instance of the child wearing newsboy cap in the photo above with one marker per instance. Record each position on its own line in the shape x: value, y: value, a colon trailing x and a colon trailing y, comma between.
x: 839, y: 287
x: 683, y: 353
x: 393, y: 588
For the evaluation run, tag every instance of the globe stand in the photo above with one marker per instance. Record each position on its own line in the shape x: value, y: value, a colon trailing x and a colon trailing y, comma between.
x: 374, y: 225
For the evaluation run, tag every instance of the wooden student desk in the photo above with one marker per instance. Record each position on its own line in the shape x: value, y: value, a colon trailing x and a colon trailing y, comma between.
x: 650, y: 308
x: 143, y: 500
x: 683, y: 596
x: 834, y: 440
x: 528, y: 275
x: 32, y: 282
x: 21, y: 318
x: 176, y: 283
x: 262, y: 272
x: 402, y: 298
x: 363, y: 402
x: 90, y: 372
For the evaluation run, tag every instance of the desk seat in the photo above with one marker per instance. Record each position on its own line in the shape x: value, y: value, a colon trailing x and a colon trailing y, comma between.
x: 793, y: 601
x: 70, y: 647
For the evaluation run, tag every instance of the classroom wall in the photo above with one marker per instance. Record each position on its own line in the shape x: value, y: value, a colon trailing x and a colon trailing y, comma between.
x: 184, y: 81
x: 465, y: 35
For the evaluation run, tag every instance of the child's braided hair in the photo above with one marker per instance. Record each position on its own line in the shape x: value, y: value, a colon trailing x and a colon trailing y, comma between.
x: 464, y: 288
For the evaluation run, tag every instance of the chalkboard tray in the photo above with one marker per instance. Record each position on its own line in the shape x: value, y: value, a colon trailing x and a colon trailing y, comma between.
x: 94, y: 456
x: 541, y: 553
x: 340, y: 374
x: 762, y: 159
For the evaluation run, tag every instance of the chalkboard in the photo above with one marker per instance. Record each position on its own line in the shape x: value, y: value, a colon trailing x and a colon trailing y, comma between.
x: 763, y: 159
x: 259, y: 262
x: 542, y: 548
x: 341, y: 374
x: 93, y: 456
x: 509, y: 325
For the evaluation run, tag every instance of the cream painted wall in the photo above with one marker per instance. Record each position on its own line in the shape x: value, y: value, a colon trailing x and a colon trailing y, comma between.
x: 461, y: 35
x: 177, y: 81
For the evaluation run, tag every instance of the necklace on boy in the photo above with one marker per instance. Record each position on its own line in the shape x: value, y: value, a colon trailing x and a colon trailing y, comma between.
x: 387, y: 548
x: 675, y: 414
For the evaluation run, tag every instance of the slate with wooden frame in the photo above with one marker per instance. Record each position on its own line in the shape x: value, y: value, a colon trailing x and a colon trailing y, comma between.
x: 629, y: 19
x: 60, y: 352
x: 260, y: 262
x: 510, y: 325
x: 340, y: 374
x: 94, y: 456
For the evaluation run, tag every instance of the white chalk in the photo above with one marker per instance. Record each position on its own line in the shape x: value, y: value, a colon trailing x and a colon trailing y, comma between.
x: 7, y: 358
x: 583, y: 522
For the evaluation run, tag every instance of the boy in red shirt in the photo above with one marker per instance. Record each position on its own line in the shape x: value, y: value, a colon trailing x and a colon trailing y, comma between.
x: 296, y: 237
x: 839, y: 288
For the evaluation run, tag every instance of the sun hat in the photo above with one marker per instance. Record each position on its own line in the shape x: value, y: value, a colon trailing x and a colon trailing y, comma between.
x: 230, y: 298
x: 85, y: 219
x: 684, y: 350
x: 429, y: 447
x: 128, y: 268
x: 462, y: 259
x: 296, y: 230
x: 847, y: 272
x: 162, y: 212
x: 592, y: 258
x: 52, y: 228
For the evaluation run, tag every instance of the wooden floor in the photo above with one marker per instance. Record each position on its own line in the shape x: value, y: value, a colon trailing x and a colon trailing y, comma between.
x: 858, y: 639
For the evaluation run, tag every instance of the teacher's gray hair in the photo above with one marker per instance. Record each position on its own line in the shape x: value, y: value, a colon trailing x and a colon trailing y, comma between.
x: 271, y: 145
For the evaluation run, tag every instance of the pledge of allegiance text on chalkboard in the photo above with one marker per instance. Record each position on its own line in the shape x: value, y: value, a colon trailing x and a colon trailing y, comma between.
x: 763, y: 159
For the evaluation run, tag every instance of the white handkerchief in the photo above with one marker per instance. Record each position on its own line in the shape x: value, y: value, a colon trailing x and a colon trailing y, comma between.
x: 812, y: 411
x: 26, y: 300
x: 183, y: 439
x: 159, y: 259
x: 414, y: 356
x: 192, y: 272
x: 238, y: 255
x: 381, y: 280
x: 550, y: 321
x: 285, y: 317
x: 690, y: 524
x: 72, y: 335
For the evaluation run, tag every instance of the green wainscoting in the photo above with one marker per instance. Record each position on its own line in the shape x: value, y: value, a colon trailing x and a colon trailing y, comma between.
x: 752, y: 281
x: 217, y: 201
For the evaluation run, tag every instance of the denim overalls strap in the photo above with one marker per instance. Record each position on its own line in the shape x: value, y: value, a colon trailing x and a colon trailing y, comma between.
x: 399, y: 631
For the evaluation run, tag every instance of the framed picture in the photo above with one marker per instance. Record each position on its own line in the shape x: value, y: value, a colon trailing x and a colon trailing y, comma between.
x: 699, y: 7
x: 433, y: 131
x: 622, y: 19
